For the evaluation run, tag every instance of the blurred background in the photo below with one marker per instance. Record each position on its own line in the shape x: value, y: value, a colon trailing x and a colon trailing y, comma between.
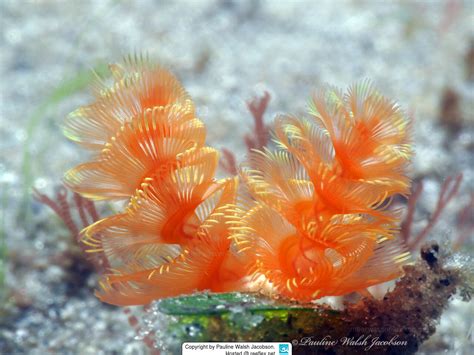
x: 420, y: 53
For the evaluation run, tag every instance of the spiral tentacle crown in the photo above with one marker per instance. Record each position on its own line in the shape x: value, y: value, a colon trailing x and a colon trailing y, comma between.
x: 311, y: 220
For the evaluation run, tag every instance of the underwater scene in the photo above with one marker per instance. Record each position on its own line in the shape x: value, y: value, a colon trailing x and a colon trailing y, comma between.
x: 248, y: 177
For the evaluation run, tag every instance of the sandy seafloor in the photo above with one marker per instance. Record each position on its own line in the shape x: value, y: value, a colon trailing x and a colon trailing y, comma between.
x: 225, y: 52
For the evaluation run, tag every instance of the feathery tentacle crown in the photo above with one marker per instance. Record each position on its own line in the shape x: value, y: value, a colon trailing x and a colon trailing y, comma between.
x: 149, y: 148
x: 318, y: 223
x: 314, y: 223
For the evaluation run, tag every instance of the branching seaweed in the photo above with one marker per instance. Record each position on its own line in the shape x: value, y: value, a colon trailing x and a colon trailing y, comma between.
x: 64, y: 208
x: 259, y: 137
x: 449, y: 190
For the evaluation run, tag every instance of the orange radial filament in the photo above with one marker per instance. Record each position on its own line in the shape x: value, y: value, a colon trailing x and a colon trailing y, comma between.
x: 318, y: 222
x: 313, y: 221
x: 149, y: 148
